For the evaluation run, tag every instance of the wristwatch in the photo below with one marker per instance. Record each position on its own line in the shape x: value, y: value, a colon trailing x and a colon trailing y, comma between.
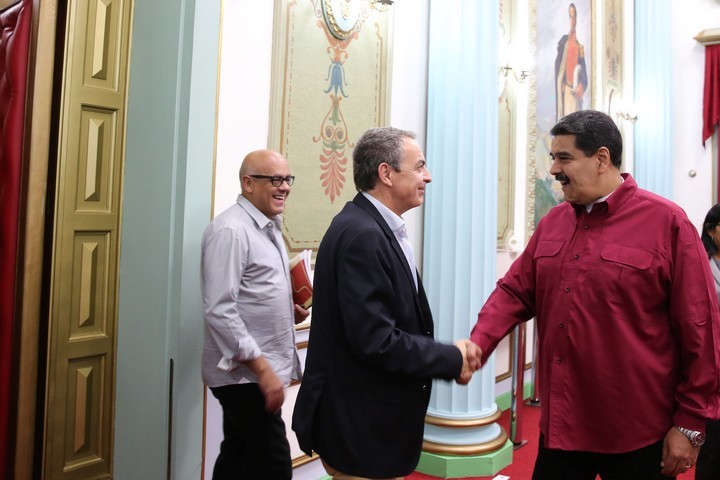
x: 695, y: 437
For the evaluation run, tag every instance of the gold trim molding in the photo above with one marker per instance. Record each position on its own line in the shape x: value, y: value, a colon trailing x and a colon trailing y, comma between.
x: 475, y: 449
x: 7, y: 3
x: 465, y: 423
x: 710, y: 36
x: 302, y: 460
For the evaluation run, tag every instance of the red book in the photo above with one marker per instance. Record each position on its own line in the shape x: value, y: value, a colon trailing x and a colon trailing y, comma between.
x: 300, y: 278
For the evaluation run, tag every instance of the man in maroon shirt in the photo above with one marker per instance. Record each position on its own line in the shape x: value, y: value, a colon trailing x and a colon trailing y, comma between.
x: 620, y: 287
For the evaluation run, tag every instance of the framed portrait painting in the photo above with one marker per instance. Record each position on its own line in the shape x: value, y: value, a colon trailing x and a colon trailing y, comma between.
x: 563, y: 83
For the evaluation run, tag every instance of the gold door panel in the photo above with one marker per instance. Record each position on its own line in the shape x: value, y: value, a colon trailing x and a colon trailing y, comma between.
x: 83, y: 317
x: 90, y: 282
x: 96, y: 160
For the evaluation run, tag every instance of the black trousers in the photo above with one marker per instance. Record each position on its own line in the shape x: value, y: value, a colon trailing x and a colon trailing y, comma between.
x: 708, y: 463
x: 642, y: 464
x: 255, y: 444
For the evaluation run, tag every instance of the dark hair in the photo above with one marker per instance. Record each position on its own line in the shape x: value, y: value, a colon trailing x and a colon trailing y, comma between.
x: 592, y: 130
x: 712, y: 219
x: 375, y: 146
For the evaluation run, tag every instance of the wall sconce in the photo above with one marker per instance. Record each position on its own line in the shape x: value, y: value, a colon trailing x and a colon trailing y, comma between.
x: 381, y: 6
x: 622, y: 111
x: 628, y: 116
x: 520, y: 75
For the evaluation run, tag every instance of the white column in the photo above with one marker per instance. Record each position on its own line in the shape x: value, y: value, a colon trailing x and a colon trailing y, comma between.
x: 653, y: 167
x: 459, y: 258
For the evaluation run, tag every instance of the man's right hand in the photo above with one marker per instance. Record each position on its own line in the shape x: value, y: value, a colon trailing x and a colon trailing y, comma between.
x: 471, y: 355
x: 269, y: 384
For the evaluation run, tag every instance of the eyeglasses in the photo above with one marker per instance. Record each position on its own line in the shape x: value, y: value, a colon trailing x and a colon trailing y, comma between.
x: 277, y: 180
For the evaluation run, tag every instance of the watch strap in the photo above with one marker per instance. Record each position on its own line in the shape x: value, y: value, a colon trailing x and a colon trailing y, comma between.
x: 695, y: 437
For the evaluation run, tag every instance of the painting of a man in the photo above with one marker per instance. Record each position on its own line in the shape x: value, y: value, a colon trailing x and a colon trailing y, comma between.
x: 571, y: 79
x: 563, y: 81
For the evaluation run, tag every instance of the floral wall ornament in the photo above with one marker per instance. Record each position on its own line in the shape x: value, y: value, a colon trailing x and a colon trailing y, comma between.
x: 329, y: 85
x: 334, y: 128
x: 333, y: 159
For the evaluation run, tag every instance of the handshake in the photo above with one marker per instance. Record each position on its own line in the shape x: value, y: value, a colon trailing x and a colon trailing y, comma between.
x: 471, y: 355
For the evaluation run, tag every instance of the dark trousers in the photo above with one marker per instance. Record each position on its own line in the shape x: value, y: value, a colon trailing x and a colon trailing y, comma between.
x: 708, y: 463
x: 255, y: 444
x: 552, y: 464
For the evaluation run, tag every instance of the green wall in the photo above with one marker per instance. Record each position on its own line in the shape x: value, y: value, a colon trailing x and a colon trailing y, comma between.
x: 166, y: 205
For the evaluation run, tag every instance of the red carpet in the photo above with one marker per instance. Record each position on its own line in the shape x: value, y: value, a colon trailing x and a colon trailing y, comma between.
x: 524, y: 457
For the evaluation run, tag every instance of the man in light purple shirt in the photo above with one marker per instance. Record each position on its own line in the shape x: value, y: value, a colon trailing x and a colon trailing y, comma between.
x: 249, y: 356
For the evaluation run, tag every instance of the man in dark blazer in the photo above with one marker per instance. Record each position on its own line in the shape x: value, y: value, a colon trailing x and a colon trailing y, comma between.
x: 371, y: 355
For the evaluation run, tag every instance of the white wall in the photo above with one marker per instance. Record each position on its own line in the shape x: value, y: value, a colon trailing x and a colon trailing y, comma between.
x: 694, y: 194
x: 243, y: 91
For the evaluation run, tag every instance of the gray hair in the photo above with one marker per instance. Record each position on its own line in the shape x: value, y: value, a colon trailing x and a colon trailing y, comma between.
x: 375, y: 146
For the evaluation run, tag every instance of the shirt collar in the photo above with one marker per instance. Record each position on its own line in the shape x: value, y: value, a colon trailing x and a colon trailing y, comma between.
x: 616, y: 198
x: 260, y: 219
x: 589, y: 207
x: 394, y: 221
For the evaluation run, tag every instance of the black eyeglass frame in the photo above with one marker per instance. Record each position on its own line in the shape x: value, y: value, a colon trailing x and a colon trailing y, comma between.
x: 277, y: 180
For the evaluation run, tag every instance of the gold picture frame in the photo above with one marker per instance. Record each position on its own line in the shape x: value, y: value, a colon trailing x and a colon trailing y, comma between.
x: 507, y: 117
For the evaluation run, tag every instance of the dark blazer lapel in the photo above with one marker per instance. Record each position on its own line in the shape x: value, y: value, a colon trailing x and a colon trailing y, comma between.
x: 425, y: 312
x: 366, y: 205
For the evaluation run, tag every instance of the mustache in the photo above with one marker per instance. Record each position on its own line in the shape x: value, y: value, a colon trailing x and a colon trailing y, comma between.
x: 561, y: 177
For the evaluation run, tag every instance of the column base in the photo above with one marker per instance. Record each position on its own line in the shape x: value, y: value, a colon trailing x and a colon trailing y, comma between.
x: 462, y: 466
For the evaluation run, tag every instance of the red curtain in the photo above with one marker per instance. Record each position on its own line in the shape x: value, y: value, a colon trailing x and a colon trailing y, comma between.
x: 15, y: 23
x: 711, y: 100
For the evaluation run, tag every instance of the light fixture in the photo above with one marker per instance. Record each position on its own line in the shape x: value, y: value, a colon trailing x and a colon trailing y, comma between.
x: 622, y: 111
x: 520, y: 75
x: 514, y: 58
x: 627, y: 116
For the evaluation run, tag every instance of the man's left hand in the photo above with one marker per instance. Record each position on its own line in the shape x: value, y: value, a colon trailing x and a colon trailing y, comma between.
x: 679, y: 455
x: 300, y: 314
